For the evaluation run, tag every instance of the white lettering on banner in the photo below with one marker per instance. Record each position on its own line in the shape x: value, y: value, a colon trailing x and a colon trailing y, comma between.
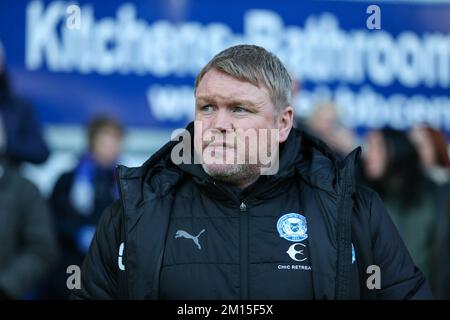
x: 361, y: 108
x: 171, y: 102
x: 320, y: 52
x: 368, y: 108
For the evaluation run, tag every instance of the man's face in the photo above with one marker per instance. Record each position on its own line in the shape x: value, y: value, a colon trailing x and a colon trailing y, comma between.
x: 106, y: 147
x: 227, y: 108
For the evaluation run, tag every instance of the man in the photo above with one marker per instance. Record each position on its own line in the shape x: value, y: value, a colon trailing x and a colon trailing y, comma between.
x: 214, y: 229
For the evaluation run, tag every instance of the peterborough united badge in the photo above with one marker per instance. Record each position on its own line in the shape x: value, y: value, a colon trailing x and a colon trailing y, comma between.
x: 292, y: 227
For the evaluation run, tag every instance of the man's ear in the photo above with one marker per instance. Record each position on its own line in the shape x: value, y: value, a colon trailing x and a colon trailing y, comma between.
x: 285, y: 123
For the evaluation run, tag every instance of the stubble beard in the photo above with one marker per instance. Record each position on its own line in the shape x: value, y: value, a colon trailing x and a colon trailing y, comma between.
x: 237, y: 174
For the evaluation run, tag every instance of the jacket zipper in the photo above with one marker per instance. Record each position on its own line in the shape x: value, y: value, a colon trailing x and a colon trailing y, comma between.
x: 243, y: 235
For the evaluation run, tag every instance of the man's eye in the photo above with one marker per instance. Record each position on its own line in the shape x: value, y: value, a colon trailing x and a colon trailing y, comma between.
x: 207, y: 108
x: 239, y: 109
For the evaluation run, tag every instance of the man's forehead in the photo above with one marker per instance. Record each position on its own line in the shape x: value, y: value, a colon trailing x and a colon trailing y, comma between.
x: 228, y: 98
x: 216, y: 85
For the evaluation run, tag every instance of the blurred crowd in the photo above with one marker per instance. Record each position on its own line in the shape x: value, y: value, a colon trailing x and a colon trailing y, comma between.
x: 41, y: 237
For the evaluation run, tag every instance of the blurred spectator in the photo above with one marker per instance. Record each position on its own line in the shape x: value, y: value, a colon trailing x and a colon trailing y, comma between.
x: 392, y: 167
x: 20, y: 134
x: 28, y: 242
x: 80, y: 196
x: 433, y: 150
x: 324, y: 123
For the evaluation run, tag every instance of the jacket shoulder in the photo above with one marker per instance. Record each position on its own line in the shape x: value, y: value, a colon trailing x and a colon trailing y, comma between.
x: 364, y: 195
x: 370, y: 207
x: 401, y: 278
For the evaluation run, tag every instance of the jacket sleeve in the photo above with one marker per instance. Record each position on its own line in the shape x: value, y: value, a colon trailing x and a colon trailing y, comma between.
x: 39, y: 249
x: 400, y: 278
x: 99, y: 273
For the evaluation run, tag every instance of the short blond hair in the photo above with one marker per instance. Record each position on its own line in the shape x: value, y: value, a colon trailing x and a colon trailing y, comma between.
x: 256, y: 65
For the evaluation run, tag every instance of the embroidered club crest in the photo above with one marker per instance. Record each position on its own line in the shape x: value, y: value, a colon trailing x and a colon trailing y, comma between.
x: 292, y: 227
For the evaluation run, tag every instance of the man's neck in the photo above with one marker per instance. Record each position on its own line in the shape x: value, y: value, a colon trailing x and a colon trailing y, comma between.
x: 247, y: 183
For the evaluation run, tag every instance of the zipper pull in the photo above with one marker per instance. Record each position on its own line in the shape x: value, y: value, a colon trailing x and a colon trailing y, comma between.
x: 243, y: 207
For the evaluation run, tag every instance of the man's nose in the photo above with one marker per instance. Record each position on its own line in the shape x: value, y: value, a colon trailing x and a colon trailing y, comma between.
x: 223, y: 121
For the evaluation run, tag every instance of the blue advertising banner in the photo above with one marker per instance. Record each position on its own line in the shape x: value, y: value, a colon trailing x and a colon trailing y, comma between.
x: 138, y: 60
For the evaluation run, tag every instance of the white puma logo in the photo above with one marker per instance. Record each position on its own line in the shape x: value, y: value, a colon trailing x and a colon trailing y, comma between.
x: 184, y: 234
